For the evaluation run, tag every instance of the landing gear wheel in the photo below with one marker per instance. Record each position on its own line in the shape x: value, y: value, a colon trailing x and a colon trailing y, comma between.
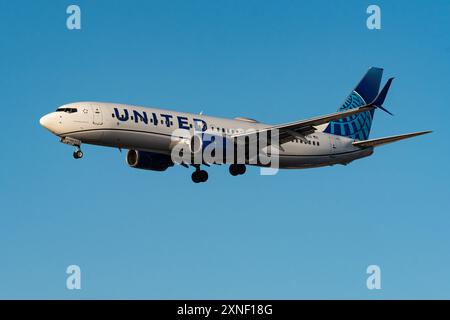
x: 241, y: 168
x: 199, y: 176
x: 195, y: 177
x: 233, y: 170
x: 203, y: 176
x: 78, y: 154
x: 237, y: 169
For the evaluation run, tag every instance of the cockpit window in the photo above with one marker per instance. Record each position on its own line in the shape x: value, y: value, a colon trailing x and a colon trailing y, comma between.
x: 68, y: 110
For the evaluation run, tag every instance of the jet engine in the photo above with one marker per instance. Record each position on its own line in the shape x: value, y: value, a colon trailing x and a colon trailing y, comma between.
x: 148, y: 160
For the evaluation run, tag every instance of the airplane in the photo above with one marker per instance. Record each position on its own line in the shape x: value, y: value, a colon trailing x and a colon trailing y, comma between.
x: 151, y: 135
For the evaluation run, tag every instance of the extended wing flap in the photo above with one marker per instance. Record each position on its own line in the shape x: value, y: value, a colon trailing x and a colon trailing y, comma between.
x: 381, y: 141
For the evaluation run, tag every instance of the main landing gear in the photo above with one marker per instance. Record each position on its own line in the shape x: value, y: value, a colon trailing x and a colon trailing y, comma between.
x: 199, y: 175
x: 237, y: 169
x: 202, y: 176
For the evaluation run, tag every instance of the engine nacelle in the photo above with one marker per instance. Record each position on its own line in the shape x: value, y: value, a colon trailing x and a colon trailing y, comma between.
x: 148, y: 160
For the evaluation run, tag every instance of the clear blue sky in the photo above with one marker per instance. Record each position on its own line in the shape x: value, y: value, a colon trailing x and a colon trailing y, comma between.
x: 299, y: 234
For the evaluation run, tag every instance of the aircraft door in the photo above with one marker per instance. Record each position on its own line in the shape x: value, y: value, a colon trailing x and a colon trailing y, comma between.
x: 97, y: 115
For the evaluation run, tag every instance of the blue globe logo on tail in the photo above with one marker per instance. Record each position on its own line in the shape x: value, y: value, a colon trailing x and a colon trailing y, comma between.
x: 355, y: 127
x: 358, y: 126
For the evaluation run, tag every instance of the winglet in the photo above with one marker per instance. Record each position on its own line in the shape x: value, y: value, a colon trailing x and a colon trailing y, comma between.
x: 379, y: 100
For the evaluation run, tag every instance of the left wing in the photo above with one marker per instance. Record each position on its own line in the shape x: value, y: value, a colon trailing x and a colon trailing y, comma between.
x: 299, y: 129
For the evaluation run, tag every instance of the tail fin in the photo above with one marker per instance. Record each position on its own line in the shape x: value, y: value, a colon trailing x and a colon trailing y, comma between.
x: 358, y: 126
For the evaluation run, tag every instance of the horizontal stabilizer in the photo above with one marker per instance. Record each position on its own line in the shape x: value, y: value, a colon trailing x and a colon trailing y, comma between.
x: 386, y: 140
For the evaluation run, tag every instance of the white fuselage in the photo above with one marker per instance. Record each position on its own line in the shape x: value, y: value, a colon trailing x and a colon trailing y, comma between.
x: 152, y: 129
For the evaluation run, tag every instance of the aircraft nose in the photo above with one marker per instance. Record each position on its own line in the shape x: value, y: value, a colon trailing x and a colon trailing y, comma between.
x: 48, y: 122
x: 45, y: 121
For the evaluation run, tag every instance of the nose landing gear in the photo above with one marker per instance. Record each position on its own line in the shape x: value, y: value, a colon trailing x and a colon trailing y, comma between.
x: 78, y: 154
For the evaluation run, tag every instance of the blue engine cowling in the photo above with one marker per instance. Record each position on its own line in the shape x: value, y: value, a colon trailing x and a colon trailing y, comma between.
x: 148, y: 160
